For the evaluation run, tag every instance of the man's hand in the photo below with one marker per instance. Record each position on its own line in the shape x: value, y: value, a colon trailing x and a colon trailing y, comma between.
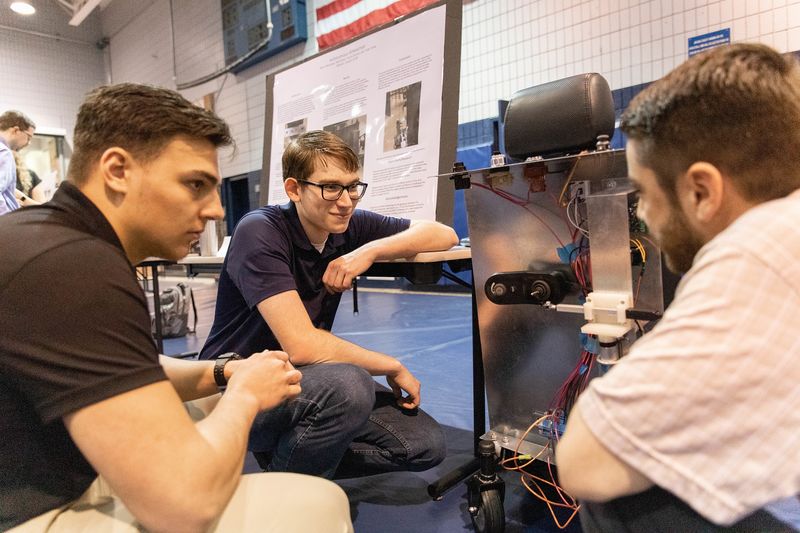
x: 401, y: 381
x: 267, y: 376
x: 343, y: 270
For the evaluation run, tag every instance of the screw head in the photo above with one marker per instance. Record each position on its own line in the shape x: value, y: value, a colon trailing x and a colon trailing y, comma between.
x: 499, y: 289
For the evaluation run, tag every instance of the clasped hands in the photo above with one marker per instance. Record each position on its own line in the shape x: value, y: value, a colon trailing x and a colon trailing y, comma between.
x: 268, y: 376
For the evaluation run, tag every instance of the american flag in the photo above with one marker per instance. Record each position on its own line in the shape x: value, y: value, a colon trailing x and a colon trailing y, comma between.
x: 340, y: 20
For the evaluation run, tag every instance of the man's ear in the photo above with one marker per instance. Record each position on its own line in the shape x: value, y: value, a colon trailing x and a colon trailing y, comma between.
x: 115, y: 167
x: 292, y: 188
x: 704, y: 191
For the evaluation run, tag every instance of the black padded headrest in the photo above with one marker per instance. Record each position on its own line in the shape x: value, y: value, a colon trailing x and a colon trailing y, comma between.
x: 560, y: 117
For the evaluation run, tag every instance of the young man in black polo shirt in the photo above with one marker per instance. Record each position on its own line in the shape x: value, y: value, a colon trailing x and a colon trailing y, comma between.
x: 280, y: 286
x: 82, y: 392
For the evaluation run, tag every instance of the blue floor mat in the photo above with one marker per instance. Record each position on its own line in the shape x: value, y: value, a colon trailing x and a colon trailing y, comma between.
x: 431, y: 334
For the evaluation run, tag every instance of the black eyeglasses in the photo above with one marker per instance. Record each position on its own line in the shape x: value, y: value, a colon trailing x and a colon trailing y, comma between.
x: 333, y: 191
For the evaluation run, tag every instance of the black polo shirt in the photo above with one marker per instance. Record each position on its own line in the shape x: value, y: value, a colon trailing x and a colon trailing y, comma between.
x: 75, y: 331
x: 269, y: 254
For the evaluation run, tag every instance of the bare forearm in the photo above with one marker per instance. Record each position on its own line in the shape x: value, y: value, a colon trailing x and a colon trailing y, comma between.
x: 38, y: 194
x: 588, y: 470
x: 211, y: 466
x: 226, y: 431
x: 263, y: 381
x: 23, y: 199
x: 143, y: 443
x: 320, y: 346
x: 422, y: 236
x: 191, y: 379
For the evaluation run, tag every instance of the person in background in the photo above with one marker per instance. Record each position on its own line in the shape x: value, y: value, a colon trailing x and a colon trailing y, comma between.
x: 16, y: 132
x: 29, y: 186
x: 280, y: 286
x: 698, y: 427
x: 83, y: 391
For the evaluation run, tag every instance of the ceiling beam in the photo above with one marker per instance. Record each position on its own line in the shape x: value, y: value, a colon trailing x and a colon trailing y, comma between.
x: 66, y: 6
x: 81, y: 9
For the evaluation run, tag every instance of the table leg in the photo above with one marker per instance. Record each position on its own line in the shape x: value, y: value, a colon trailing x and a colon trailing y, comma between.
x: 158, y: 337
x: 437, y: 489
x: 478, y: 383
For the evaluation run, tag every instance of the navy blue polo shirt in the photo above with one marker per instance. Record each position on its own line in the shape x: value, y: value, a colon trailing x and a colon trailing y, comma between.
x: 269, y: 254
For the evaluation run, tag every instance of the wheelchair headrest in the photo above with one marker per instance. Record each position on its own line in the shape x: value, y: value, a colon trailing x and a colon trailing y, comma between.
x: 560, y: 117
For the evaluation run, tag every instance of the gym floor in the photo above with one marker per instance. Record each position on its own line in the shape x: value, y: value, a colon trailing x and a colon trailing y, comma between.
x: 431, y: 333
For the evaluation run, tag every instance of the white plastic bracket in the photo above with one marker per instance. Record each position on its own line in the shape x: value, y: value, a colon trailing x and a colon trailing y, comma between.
x: 605, y: 313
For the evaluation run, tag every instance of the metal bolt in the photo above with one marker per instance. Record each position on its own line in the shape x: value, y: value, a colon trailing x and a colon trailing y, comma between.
x: 498, y: 289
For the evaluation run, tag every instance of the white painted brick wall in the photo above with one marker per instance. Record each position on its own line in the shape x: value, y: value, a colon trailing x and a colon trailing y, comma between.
x: 141, y: 51
x: 627, y: 41
x: 43, y: 76
x: 507, y: 45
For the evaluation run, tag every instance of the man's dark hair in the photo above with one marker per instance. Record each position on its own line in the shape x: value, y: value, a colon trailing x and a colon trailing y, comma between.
x: 300, y: 158
x: 141, y: 119
x: 736, y: 107
x: 18, y: 119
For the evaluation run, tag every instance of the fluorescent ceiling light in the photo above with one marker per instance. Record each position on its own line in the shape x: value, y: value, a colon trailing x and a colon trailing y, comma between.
x: 23, y: 8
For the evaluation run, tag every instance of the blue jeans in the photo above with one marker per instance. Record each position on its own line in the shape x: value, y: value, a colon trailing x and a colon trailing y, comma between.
x: 344, y: 419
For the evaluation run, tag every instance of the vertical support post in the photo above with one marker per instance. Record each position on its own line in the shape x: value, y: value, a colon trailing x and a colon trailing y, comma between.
x: 478, y: 383
x: 157, y: 308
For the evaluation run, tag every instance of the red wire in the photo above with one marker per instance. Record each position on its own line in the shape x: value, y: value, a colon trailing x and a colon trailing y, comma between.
x: 581, y: 266
x: 523, y: 203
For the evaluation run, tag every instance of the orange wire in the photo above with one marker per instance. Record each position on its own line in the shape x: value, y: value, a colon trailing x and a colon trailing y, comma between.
x: 524, y: 475
x: 550, y: 505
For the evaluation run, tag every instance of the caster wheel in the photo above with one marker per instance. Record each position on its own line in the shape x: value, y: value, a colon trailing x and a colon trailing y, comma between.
x: 489, y: 517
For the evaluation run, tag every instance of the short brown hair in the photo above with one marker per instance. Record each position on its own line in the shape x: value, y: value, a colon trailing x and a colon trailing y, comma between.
x: 141, y: 119
x: 736, y: 107
x: 11, y: 119
x: 300, y: 158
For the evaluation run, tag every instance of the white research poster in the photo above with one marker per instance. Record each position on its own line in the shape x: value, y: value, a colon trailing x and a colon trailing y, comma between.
x: 382, y: 94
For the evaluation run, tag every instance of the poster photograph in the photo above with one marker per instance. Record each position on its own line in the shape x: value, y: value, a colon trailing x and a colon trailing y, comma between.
x: 402, y: 111
x: 293, y: 130
x: 353, y: 131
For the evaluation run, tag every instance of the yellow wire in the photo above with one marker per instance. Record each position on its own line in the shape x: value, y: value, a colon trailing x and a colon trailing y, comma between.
x: 642, y: 236
x: 639, y: 246
x: 568, y: 180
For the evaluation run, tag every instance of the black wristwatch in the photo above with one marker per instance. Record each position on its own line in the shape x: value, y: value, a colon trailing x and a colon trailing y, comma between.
x: 219, y: 368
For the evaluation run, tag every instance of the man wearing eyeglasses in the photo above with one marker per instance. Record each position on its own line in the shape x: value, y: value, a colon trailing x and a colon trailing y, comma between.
x: 16, y: 132
x: 281, y: 283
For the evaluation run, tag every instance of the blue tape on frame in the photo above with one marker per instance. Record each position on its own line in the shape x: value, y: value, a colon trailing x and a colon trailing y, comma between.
x: 565, y: 254
x: 589, y: 343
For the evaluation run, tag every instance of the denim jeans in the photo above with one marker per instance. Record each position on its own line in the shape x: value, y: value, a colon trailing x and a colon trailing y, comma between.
x: 344, y: 416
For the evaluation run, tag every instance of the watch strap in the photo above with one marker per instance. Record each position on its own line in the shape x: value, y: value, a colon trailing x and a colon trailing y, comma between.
x: 219, y: 368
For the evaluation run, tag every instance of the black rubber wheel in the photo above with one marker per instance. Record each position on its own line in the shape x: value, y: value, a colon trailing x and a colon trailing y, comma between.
x: 491, y: 517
